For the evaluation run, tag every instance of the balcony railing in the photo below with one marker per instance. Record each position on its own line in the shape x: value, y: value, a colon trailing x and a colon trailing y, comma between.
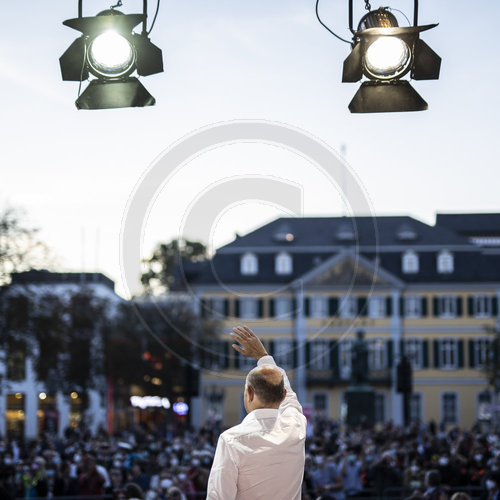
x: 332, y: 377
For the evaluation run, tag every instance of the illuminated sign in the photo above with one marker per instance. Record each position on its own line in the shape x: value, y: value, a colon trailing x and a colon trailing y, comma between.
x: 149, y: 402
x: 181, y: 408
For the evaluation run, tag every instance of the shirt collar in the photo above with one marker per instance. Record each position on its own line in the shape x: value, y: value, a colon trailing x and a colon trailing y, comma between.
x: 262, y: 413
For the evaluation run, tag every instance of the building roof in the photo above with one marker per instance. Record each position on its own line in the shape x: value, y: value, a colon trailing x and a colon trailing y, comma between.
x: 42, y: 277
x: 291, y: 233
x: 471, y: 224
x: 311, y: 241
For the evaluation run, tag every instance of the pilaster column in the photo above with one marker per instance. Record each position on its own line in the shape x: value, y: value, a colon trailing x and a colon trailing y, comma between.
x: 300, y: 337
x: 396, y: 334
x: 31, y: 403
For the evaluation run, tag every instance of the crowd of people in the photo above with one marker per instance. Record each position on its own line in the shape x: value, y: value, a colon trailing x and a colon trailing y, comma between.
x: 422, y: 462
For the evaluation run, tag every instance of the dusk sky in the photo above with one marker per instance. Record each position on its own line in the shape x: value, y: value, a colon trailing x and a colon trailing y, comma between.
x: 74, y: 171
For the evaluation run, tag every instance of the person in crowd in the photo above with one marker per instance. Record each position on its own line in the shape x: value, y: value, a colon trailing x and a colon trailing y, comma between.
x: 133, y: 491
x: 460, y: 495
x: 414, y: 475
x: 434, y: 489
x: 90, y: 481
x: 264, y: 455
x: 385, y: 473
x: 351, y: 474
x: 175, y: 493
x: 326, y: 479
x: 493, y: 486
x: 138, y: 476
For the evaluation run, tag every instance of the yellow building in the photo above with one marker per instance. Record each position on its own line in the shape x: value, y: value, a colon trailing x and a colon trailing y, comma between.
x: 305, y: 286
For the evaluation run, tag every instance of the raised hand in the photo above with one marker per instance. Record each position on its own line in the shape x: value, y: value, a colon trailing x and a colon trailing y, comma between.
x: 251, y: 345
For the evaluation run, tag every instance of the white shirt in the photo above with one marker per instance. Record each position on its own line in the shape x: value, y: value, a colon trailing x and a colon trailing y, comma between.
x: 263, y: 457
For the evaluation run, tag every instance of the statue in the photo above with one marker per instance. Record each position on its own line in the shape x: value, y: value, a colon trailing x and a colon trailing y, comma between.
x: 359, y: 360
x: 359, y: 396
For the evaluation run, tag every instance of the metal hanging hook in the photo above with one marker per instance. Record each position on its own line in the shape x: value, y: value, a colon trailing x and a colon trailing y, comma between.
x: 118, y: 4
x: 367, y: 5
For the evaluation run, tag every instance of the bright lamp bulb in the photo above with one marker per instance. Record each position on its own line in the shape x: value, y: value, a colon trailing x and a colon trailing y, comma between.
x: 111, y: 55
x: 387, y: 57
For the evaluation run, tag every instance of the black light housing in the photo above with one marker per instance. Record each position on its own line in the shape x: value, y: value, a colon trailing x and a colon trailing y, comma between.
x: 109, y: 50
x: 384, y: 53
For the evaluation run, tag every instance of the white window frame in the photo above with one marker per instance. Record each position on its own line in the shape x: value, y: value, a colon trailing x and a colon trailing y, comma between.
x: 283, y: 353
x: 249, y: 264
x: 216, y: 307
x: 413, y: 349
x: 319, y: 354
x: 283, y: 305
x: 410, y: 262
x: 448, y: 353
x: 377, y: 354
x: 445, y: 263
x: 412, y: 306
x: 486, y: 307
x: 377, y: 306
x: 382, y: 404
x: 447, y: 305
x: 482, y: 347
x: 348, y: 307
x: 345, y: 358
x: 216, y: 353
x: 446, y: 406
x: 318, y: 306
x: 318, y: 413
x: 249, y: 308
x: 283, y: 264
x: 416, y: 400
x: 246, y: 363
x: 483, y: 408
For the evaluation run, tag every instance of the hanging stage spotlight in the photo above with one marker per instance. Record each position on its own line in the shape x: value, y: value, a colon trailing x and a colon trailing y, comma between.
x: 384, y: 53
x: 109, y: 50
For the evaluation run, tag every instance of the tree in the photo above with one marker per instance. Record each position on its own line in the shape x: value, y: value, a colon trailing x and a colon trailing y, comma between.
x: 160, y: 268
x: 151, y: 345
x: 20, y: 249
x: 61, y: 332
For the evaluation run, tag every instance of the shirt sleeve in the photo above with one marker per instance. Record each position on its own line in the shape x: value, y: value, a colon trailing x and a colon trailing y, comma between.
x: 223, y: 479
x: 291, y: 400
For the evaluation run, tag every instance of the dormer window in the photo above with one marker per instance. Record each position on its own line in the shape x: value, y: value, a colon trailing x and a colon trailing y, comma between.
x: 283, y: 263
x: 249, y: 265
x: 284, y: 234
x: 410, y: 264
x: 445, y: 262
x: 345, y: 232
x: 406, y: 233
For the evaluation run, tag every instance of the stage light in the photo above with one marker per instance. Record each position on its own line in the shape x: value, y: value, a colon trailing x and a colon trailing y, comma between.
x: 111, y: 55
x: 387, y: 57
x: 110, y: 50
x: 383, y: 52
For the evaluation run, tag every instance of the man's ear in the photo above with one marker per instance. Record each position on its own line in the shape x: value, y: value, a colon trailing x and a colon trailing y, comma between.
x: 250, y: 392
x: 284, y: 394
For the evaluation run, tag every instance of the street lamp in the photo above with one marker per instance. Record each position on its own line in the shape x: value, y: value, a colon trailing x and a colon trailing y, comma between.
x: 110, y: 50
x: 383, y: 53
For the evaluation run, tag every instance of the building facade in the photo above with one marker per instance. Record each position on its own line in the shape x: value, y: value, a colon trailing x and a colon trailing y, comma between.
x: 305, y: 286
x: 27, y: 405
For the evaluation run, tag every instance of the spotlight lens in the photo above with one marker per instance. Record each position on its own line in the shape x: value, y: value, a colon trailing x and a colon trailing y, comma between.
x: 111, y: 55
x: 387, y: 57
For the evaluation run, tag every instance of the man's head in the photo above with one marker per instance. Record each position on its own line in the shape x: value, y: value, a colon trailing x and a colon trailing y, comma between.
x: 264, y: 388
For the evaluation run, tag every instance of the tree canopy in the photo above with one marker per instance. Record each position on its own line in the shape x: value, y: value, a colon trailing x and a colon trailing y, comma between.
x: 159, y: 270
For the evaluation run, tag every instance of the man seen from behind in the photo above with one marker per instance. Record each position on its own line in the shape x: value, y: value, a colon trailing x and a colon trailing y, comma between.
x: 263, y: 457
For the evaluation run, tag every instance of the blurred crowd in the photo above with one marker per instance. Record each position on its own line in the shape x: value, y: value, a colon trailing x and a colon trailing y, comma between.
x: 421, y: 462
